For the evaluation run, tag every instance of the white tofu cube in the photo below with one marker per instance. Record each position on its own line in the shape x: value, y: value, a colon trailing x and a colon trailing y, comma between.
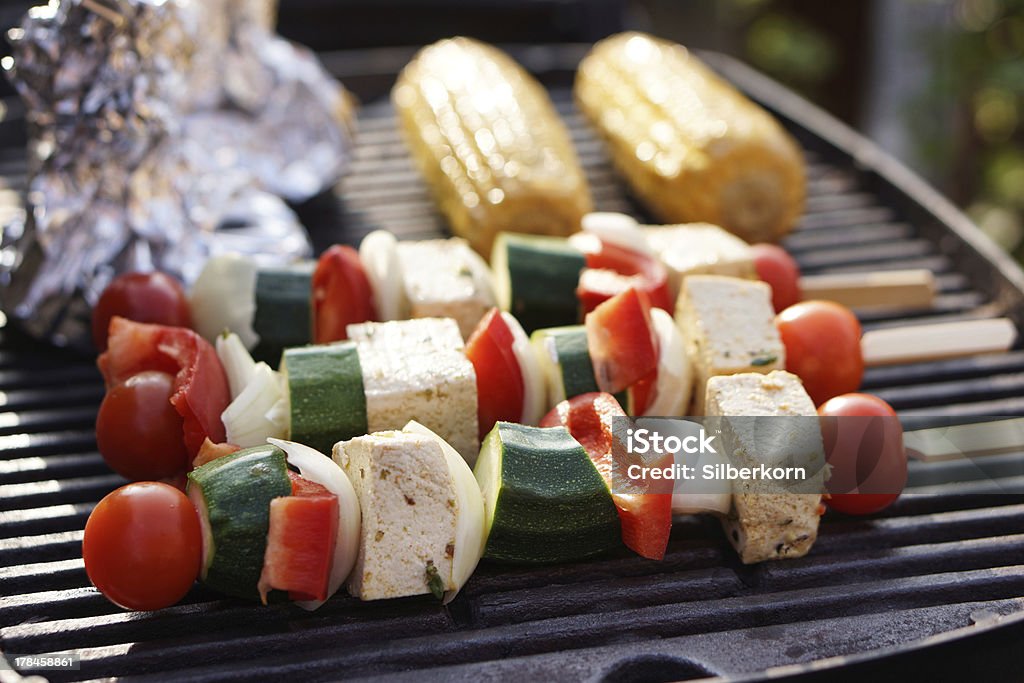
x: 416, y: 370
x: 404, y: 335
x: 446, y: 278
x: 408, y: 504
x: 729, y: 327
x: 770, y: 419
x: 699, y: 249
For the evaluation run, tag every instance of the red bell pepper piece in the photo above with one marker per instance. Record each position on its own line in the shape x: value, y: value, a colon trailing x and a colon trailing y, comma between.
x: 342, y: 294
x: 300, y: 542
x: 499, y: 380
x: 612, y: 269
x: 622, y: 341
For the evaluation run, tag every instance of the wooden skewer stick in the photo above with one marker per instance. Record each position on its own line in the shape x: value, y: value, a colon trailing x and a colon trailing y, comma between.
x: 918, y: 343
x: 967, y: 440
x: 896, y: 289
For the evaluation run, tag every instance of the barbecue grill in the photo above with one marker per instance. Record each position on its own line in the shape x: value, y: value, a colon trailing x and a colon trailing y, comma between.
x: 933, y: 586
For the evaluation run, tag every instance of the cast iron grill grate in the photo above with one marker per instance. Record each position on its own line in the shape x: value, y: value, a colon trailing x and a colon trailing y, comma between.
x: 944, y: 558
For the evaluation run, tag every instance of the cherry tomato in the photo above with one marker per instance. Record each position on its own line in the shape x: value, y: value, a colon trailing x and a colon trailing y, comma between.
x: 864, y: 446
x: 499, y: 380
x: 201, y: 390
x: 775, y: 266
x: 622, y: 341
x: 142, y: 546
x: 138, y: 431
x: 822, y: 341
x: 341, y: 294
x: 612, y: 269
x: 143, y: 297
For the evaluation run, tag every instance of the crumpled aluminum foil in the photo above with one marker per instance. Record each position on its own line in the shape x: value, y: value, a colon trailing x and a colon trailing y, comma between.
x: 160, y: 132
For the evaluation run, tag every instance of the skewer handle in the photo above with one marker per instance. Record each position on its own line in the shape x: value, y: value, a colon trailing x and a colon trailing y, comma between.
x: 966, y: 440
x: 897, y: 289
x: 936, y: 342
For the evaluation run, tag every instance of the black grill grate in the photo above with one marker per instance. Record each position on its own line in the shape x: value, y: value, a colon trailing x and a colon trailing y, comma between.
x: 945, y: 558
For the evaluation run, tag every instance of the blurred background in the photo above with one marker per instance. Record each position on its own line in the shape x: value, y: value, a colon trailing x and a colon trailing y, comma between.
x: 938, y: 83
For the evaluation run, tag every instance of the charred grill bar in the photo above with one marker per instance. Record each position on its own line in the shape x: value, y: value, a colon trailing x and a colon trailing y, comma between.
x: 949, y: 555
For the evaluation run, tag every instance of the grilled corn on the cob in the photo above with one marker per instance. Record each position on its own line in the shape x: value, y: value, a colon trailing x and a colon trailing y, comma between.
x: 489, y: 143
x: 692, y: 147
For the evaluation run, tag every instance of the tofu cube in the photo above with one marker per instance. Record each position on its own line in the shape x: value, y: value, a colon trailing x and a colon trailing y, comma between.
x: 416, y: 370
x: 770, y: 419
x: 407, y: 498
x: 404, y: 335
x: 446, y: 278
x: 729, y: 327
x: 699, y: 249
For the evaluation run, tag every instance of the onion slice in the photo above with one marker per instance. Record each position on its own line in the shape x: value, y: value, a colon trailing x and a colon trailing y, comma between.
x: 618, y: 229
x: 675, y: 375
x: 224, y: 297
x: 237, y: 361
x: 319, y: 468
x: 378, y: 252
x: 246, y: 420
x: 534, y: 387
x: 470, y: 532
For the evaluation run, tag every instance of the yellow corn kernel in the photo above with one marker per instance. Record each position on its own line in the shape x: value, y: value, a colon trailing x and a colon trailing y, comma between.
x: 489, y: 143
x: 690, y: 145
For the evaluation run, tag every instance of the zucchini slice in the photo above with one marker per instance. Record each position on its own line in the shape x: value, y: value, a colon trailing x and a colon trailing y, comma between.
x: 327, y: 402
x: 283, y: 314
x: 564, y: 358
x: 535, y: 278
x: 232, y: 495
x: 544, y: 500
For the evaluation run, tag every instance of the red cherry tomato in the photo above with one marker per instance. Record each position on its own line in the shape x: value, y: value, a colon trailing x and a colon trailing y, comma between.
x: 822, y: 341
x: 143, y: 297
x: 142, y: 546
x: 138, y: 431
x: 622, y: 341
x: 341, y: 294
x: 864, y: 445
x: 200, y: 386
x: 645, y: 514
x: 499, y: 380
x: 775, y: 266
x: 612, y: 269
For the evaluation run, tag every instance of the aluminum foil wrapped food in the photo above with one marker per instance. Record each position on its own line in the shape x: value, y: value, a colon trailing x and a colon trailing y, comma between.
x: 160, y: 132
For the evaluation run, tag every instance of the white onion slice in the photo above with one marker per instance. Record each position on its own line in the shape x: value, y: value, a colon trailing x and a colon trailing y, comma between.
x: 546, y: 355
x: 378, y: 252
x: 534, y: 386
x: 470, y: 531
x: 675, y: 378
x: 319, y: 468
x: 616, y: 228
x: 224, y: 298
x: 237, y: 362
x: 245, y: 419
